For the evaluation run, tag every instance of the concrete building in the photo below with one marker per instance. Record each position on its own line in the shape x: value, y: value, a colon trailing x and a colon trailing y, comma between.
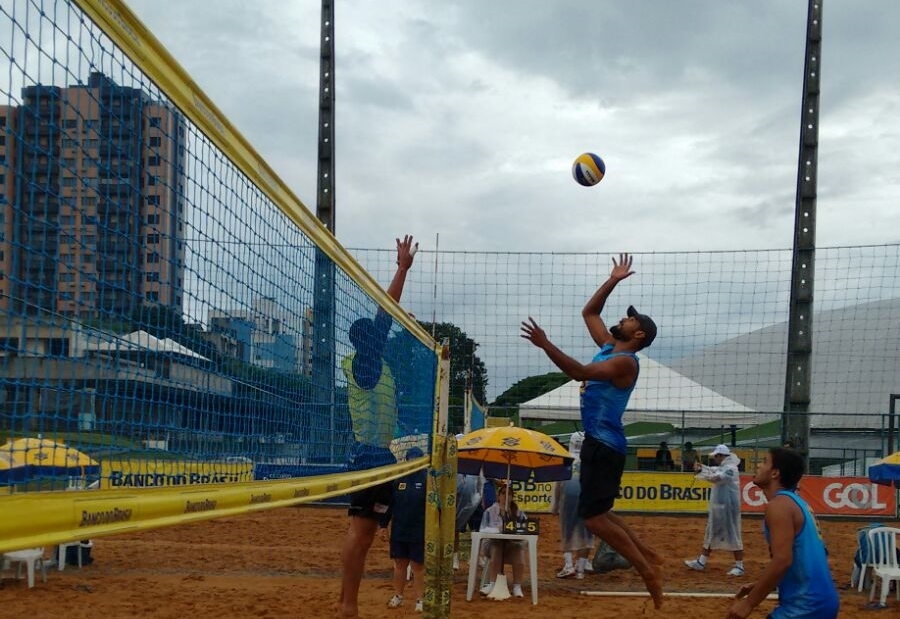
x: 91, y: 201
x: 266, y: 335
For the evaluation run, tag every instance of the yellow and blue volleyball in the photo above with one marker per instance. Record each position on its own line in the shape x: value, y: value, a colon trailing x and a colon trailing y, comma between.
x: 588, y: 169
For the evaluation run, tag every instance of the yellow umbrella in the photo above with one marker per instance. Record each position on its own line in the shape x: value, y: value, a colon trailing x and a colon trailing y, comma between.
x: 513, y: 453
x: 886, y: 471
x: 44, y: 456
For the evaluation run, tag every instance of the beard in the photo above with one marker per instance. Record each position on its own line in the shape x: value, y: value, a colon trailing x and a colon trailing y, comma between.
x: 616, y: 332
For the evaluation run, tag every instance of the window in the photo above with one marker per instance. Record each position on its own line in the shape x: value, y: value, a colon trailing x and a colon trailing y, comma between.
x: 154, y: 121
x: 156, y: 141
x: 153, y: 296
x: 153, y: 239
x: 153, y: 200
x: 153, y: 161
x: 152, y: 257
x: 152, y: 180
x: 152, y: 276
x: 58, y: 347
x: 153, y: 219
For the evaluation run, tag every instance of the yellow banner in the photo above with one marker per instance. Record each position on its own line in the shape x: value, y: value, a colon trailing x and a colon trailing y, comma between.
x: 32, y: 519
x: 641, y: 492
x: 663, y: 492
x: 533, y: 497
x: 133, y: 473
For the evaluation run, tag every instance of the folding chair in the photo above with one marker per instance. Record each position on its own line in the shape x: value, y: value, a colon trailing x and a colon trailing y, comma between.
x: 883, y: 554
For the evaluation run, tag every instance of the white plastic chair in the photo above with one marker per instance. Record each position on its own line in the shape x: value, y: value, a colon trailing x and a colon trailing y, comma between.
x: 61, y: 553
x: 883, y: 555
x: 32, y: 559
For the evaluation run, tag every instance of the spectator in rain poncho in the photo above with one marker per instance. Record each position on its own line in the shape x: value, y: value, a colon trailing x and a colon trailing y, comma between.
x: 723, y: 528
x: 469, y: 490
x: 576, y: 540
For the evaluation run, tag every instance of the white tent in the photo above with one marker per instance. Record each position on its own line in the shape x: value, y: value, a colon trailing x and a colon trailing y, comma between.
x: 661, y: 394
x: 143, y: 341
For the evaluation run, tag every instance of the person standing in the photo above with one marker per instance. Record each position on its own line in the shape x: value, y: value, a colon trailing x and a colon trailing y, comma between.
x: 468, y: 498
x: 407, y: 519
x: 608, y: 381
x: 372, y: 400
x: 799, y: 563
x: 575, y: 538
x: 723, y: 526
x: 689, y: 457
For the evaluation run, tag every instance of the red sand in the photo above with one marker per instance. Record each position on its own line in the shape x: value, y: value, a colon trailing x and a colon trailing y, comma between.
x: 285, y: 563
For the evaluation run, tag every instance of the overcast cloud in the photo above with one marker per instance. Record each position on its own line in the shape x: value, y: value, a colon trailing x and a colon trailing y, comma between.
x: 462, y: 118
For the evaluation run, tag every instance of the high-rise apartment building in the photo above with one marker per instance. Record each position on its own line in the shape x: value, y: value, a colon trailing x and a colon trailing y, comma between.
x: 91, y: 201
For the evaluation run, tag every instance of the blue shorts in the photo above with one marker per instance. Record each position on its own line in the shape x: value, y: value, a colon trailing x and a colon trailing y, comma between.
x: 414, y: 551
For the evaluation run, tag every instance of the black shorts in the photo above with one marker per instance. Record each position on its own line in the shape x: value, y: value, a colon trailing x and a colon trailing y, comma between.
x: 372, y: 502
x: 414, y: 551
x: 601, y: 476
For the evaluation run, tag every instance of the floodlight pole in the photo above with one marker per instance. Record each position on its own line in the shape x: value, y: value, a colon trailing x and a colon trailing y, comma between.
x: 795, y: 418
x: 323, y: 340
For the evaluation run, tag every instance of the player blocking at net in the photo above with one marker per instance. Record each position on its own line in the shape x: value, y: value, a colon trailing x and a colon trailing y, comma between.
x: 372, y: 400
x: 607, y: 383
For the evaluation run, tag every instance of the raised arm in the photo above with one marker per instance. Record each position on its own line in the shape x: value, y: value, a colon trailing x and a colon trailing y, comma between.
x: 591, y: 312
x: 621, y: 370
x: 406, y: 250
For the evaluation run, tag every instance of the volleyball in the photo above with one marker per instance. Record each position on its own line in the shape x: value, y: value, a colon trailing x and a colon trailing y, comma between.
x: 588, y: 169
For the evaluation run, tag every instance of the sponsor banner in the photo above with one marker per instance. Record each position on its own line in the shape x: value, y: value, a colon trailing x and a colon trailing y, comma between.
x: 832, y: 496
x: 681, y: 493
x: 533, y: 497
x: 135, y: 473
x: 663, y: 493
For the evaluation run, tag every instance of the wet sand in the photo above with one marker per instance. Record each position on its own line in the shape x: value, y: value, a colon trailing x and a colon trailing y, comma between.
x: 285, y: 563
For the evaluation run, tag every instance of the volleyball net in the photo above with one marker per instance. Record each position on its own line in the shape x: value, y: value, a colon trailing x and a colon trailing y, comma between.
x: 172, y: 317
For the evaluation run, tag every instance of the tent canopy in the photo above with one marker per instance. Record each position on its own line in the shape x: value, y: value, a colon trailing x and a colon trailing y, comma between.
x: 143, y: 341
x: 661, y: 394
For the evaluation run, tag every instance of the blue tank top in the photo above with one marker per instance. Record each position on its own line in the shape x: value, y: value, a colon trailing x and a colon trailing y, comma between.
x: 603, y: 404
x: 806, y: 590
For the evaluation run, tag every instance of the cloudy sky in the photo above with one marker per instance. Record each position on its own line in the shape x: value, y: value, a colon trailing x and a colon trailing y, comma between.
x: 462, y: 118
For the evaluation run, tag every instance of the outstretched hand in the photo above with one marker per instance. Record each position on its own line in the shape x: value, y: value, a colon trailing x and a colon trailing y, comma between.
x: 622, y: 268
x: 533, y: 333
x: 406, y: 249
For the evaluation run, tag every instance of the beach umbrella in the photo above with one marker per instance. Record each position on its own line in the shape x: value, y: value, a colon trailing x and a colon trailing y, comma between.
x: 513, y: 453
x: 12, y: 468
x: 886, y: 471
x: 41, y: 457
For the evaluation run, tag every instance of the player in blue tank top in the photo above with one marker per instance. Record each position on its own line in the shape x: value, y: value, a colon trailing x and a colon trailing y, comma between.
x: 799, y: 565
x: 608, y: 381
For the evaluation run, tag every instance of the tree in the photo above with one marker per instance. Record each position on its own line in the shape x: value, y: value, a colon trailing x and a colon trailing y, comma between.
x: 527, y: 389
x: 466, y: 369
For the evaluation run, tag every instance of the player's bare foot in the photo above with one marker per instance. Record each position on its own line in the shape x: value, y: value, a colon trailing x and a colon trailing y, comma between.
x: 654, y: 586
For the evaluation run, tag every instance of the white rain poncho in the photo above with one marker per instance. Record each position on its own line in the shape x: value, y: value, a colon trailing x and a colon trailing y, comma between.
x: 723, y: 528
x: 574, y: 535
x: 468, y: 498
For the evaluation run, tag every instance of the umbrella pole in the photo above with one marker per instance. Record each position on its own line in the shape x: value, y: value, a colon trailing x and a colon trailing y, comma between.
x: 508, y: 488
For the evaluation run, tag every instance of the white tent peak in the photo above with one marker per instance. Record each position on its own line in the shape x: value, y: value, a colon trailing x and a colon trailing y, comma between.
x: 141, y: 340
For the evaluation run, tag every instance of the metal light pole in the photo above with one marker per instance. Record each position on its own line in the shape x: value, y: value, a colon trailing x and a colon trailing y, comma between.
x: 795, y: 417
